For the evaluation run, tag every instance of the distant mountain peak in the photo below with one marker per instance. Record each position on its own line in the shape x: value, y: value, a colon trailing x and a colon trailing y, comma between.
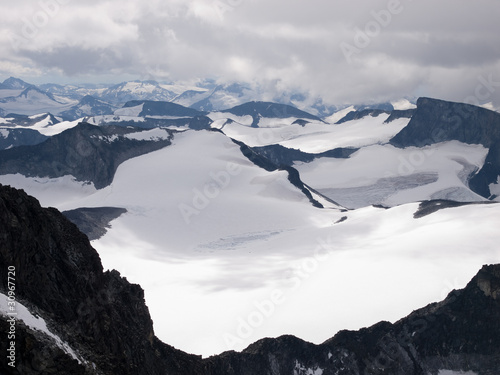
x: 13, y: 83
x: 259, y: 109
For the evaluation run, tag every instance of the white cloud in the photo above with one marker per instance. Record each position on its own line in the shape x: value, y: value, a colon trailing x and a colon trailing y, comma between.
x: 428, y: 48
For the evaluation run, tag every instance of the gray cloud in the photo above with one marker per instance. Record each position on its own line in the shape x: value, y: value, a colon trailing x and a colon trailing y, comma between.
x: 397, y: 48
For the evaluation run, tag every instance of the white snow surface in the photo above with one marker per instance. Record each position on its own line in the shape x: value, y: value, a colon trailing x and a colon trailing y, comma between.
x: 35, y: 323
x: 4, y: 133
x: 45, y: 126
x: 339, y: 115
x: 383, y: 174
x: 315, y: 137
x: 228, y: 253
x: 451, y: 372
x: 51, y: 192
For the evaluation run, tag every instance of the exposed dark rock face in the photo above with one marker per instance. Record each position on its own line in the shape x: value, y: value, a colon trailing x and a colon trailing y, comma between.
x: 20, y: 137
x: 93, y: 221
x: 264, y: 163
x: 283, y: 156
x: 489, y: 173
x: 87, y: 152
x: 406, y: 113
x: 437, y: 121
x: 195, y: 123
x: 271, y: 110
x: 429, y: 207
x: 13, y: 119
x: 356, y: 115
x: 99, y: 314
x: 105, y: 321
x: 157, y: 108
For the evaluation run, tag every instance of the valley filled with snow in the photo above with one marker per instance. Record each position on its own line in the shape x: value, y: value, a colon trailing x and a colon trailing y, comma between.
x: 229, y: 253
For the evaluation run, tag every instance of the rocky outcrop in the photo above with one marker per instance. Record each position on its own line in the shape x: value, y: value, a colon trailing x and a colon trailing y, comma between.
x: 94, y: 221
x: 87, y: 152
x: 437, y: 121
x: 356, y: 115
x: 283, y: 156
x: 400, y: 113
x: 269, y: 110
x: 104, y: 320
x: 99, y: 314
x: 10, y: 138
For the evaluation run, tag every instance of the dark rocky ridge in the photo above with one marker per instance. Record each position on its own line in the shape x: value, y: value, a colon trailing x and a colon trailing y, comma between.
x: 104, y: 318
x: 21, y: 137
x: 270, y: 110
x: 195, y: 123
x: 13, y: 119
x: 429, y: 207
x: 99, y: 314
x: 267, y: 164
x: 93, y: 221
x: 356, y: 115
x: 437, y: 121
x: 283, y: 156
x: 397, y: 113
x: 159, y: 108
x: 87, y: 152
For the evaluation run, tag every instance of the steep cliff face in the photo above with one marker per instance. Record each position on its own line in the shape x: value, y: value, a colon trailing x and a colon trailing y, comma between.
x: 103, y: 326
x: 101, y: 316
x: 437, y: 121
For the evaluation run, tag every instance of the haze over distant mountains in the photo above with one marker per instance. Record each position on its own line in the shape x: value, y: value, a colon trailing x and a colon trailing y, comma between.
x: 72, y: 101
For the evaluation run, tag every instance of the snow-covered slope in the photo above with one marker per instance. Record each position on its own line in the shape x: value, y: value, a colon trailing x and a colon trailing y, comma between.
x: 134, y: 90
x: 33, y: 100
x: 44, y: 123
x: 383, y: 174
x: 237, y: 253
x: 313, y: 137
x: 19, y: 312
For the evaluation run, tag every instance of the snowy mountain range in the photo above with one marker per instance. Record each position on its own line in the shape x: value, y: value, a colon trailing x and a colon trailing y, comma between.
x: 260, y: 219
x: 205, y: 96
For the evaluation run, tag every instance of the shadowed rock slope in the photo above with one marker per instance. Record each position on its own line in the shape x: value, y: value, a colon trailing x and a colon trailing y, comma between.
x: 104, y: 319
x: 436, y: 121
x: 87, y: 152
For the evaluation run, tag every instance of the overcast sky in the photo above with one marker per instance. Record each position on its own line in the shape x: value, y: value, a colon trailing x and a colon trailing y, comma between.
x: 344, y: 51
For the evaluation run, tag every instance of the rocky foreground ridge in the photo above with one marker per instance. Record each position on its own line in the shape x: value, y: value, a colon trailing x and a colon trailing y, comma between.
x: 104, y: 321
